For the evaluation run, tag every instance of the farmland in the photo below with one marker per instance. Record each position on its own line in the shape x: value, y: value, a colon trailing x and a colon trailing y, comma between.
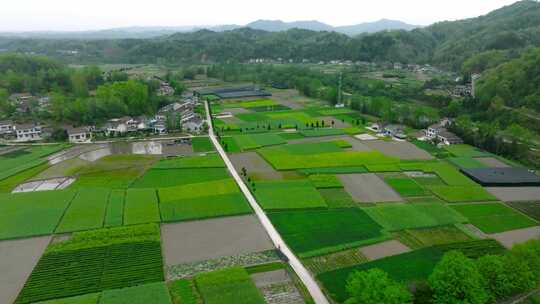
x: 493, y: 218
x: 228, y: 286
x: 95, y: 261
x: 295, y: 194
x: 176, y: 228
x: 311, y: 233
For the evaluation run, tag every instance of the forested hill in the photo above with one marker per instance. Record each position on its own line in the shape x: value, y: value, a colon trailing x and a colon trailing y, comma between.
x: 446, y: 44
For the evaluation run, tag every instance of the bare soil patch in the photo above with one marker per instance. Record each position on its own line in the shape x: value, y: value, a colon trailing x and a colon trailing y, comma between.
x: 272, y: 277
x: 384, y: 249
x: 368, y: 188
x: 210, y: 239
x: 510, y: 238
x: 400, y: 149
x: 255, y: 165
x: 515, y: 194
x: 18, y: 259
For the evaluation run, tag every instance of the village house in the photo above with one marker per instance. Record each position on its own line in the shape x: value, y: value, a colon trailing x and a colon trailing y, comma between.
x: 448, y: 138
x: 439, y: 132
x: 117, y: 126
x: 433, y: 131
x: 165, y: 89
x: 397, y: 131
x: 22, y: 101
x: 6, y: 127
x: 28, y: 132
x: 79, y: 135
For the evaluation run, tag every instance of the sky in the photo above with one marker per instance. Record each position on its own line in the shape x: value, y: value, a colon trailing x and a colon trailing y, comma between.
x: 75, y: 15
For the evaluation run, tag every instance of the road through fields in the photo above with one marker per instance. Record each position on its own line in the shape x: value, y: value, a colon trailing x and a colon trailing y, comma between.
x: 301, y: 271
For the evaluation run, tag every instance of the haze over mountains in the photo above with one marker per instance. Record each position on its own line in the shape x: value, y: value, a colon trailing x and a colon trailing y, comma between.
x: 266, y: 25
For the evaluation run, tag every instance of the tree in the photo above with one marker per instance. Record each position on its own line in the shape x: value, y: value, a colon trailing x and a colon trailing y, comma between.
x: 492, y: 269
x: 456, y: 279
x: 374, y: 287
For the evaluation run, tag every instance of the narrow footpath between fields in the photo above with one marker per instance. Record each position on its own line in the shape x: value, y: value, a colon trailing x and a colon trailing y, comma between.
x: 301, y: 271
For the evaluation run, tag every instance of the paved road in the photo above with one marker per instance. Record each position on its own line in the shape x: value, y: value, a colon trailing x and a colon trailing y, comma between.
x: 295, y: 263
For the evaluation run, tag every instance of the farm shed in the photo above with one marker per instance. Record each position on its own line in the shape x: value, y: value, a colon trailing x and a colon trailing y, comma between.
x: 503, y: 177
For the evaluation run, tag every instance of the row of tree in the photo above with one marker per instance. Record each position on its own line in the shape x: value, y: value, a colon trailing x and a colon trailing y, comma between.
x: 78, y: 96
x: 455, y: 279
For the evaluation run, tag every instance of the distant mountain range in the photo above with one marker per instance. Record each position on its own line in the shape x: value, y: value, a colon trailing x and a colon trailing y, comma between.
x: 266, y: 25
x: 351, y: 30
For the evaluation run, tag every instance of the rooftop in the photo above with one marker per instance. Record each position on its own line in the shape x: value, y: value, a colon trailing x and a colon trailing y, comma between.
x: 503, y: 177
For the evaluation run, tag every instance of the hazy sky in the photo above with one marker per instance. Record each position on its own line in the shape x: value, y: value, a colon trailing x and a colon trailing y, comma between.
x: 68, y: 15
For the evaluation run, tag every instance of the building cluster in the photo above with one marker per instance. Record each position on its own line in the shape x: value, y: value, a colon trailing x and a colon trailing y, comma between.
x: 392, y: 130
x: 439, y: 133
x: 24, y: 102
x: 178, y: 114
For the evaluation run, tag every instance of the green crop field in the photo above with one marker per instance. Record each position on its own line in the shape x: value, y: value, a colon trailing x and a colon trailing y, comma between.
x: 311, y: 233
x: 250, y: 103
x: 219, y: 187
x: 337, y: 198
x: 8, y: 184
x: 204, y: 207
x: 466, y: 162
x: 91, y: 298
x: 310, y: 148
x: 22, y: 216
x: 183, y: 292
x: 86, y: 211
x: 155, y: 293
x: 20, y: 160
x: 255, y: 141
x: 290, y: 135
x: 115, y: 210
x: 202, y: 144
x: 228, y: 286
x: 423, y: 237
x: 531, y: 209
x: 94, y: 261
x: 284, y: 159
x: 405, y: 186
x: 465, y: 151
x: 335, y: 170
x: 160, y: 178
x: 462, y: 193
x: 407, y: 267
x: 293, y: 194
x: 322, y: 132
x: 321, y: 181
x: 208, y: 161
x: 141, y: 207
x: 407, y: 216
x: 113, y: 171
x: 494, y: 217
x: 404, y: 267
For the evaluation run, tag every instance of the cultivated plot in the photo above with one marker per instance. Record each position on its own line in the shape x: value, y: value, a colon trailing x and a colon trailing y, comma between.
x: 510, y: 238
x: 399, y: 149
x: 492, y: 162
x: 18, y: 259
x: 293, y: 194
x: 33, y: 213
x: 311, y: 233
x: 214, y: 238
x: 384, y: 249
x: 368, y: 188
x: 255, y: 165
x: 515, y: 194
x: 494, y: 217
